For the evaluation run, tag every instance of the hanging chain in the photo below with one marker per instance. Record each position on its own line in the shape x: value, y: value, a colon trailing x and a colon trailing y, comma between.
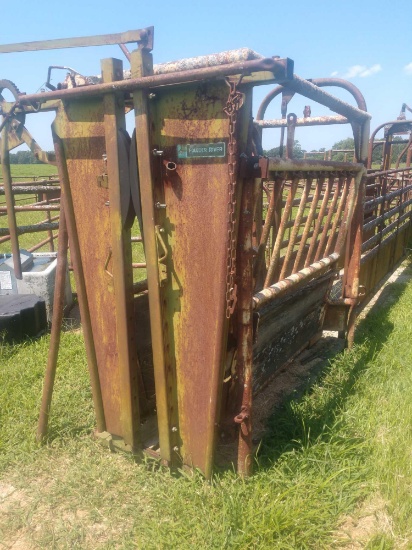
x: 234, y: 103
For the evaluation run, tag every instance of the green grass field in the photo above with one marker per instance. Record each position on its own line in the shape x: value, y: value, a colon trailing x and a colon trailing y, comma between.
x: 19, y: 173
x: 334, y: 470
x: 24, y: 173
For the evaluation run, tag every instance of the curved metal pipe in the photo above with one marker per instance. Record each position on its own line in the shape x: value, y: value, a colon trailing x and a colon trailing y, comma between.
x: 320, y: 82
x: 372, y: 138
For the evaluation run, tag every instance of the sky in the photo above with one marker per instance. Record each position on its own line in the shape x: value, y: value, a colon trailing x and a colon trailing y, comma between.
x: 357, y: 40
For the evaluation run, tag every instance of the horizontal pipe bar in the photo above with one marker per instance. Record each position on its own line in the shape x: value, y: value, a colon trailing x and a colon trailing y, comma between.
x: 369, y: 205
x: 293, y: 165
x: 279, y: 66
x: 27, y: 189
x: 396, y: 223
x: 373, y: 223
x: 35, y: 208
x: 43, y: 243
x: 36, y: 181
x: 140, y: 35
x: 307, y: 89
x: 309, y: 121
x: 22, y: 229
x: 268, y: 294
x: 371, y: 175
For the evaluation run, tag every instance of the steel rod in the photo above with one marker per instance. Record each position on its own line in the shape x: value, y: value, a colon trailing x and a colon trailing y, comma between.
x: 244, y: 359
x: 42, y: 243
x: 57, y: 319
x: 309, y: 121
x: 153, y: 81
x: 270, y: 293
x: 11, y: 215
x: 28, y: 189
x: 37, y: 228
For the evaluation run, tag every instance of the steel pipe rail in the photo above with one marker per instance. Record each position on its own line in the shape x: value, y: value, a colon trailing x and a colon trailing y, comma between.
x: 28, y: 189
x: 278, y: 164
x: 308, y: 121
x: 281, y: 69
x: 320, y: 82
x: 270, y: 293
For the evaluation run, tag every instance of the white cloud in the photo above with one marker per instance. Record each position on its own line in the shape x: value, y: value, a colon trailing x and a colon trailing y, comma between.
x: 372, y: 70
x: 355, y: 70
x: 335, y: 73
x: 362, y: 70
x: 408, y: 69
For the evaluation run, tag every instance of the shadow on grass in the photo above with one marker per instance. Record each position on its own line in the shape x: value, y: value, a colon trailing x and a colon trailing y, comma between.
x: 297, y: 421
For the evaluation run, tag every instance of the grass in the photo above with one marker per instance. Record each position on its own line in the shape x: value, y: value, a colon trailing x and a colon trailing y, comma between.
x: 335, y: 465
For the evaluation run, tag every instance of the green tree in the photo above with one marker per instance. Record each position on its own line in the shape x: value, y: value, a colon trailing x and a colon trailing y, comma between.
x: 347, y: 143
x: 298, y: 152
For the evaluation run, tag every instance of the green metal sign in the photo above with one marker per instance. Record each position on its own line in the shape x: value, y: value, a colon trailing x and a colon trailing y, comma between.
x: 202, y: 150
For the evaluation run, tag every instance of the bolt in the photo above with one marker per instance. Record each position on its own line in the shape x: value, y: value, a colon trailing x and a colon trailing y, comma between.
x: 176, y: 448
x: 174, y: 429
x: 152, y: 96
x: 107, y: 203
x: 159, y: 205
x: 157, y: 153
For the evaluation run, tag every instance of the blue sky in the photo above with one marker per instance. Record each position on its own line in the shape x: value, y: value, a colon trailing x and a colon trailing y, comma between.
x: 361, y: 41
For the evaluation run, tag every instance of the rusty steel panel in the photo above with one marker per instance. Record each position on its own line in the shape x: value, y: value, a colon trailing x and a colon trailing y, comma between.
x: 386, y: 226
x: 80, y: 126
x: 194, y: 189
x: 287, y: 325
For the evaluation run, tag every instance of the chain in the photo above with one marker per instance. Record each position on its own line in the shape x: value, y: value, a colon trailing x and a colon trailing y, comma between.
x: 234, y: 103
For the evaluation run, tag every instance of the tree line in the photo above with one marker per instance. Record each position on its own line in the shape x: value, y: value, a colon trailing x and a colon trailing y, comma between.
x: 347, y: 143
x: 23, y: 157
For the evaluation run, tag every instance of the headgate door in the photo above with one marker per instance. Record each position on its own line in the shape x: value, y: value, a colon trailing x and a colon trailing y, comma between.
x: 301, y: 248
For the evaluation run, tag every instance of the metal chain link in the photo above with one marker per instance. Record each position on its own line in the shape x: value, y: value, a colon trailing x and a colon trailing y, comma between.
x: 234, y: 103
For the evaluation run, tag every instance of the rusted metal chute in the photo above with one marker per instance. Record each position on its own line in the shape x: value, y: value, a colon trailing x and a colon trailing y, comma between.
x: 248, y: 259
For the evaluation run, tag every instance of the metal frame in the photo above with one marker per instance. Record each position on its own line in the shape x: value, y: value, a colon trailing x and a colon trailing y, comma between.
x: 205, y: 325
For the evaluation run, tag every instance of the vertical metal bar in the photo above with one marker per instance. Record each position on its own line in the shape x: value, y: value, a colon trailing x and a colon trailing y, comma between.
x: 311, y: 215
x: 274, y: 260
x: 142, y: 65
x: 320, y: 249
x: 353, y: 257
x: 8, y: 191
x: 58, y: 307
x: 348, y: 213
x: 114, y: 121
x: 337, y: 218
x: 319, y: 222
x: 245, y: 331
x: 296, y: 227
x: 67, y: 204
x: 50, y: 232
x: 275, y: 196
